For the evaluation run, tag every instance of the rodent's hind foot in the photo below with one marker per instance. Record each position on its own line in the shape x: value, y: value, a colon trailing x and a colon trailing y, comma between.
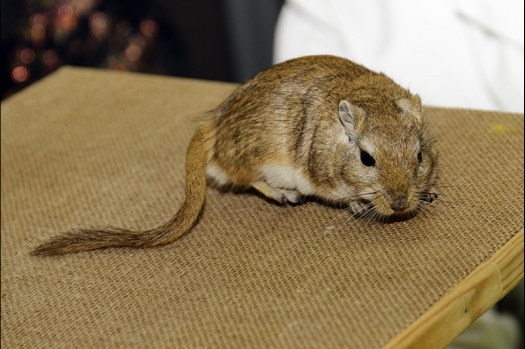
x: 282, y: 196
x: 292, y: 197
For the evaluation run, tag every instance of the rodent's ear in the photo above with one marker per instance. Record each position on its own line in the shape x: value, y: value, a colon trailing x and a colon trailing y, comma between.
x: 416, y: 103
x: 351, y: 116
x: 412, y: 107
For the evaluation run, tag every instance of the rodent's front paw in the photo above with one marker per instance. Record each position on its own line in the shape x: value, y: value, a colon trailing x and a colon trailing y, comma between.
x: 429, y: 198
x: 359, y: 207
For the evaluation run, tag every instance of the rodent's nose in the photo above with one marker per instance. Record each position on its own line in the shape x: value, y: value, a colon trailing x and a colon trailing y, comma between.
x: 399, y: 204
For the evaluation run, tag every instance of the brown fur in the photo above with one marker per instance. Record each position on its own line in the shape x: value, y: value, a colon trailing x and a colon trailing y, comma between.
x: 299, y: 129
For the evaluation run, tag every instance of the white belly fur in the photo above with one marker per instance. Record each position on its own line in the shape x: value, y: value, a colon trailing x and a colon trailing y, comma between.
x: 287, y: 177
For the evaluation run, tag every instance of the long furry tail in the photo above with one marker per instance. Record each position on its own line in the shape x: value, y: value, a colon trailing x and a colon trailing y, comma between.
x: 92, y: 239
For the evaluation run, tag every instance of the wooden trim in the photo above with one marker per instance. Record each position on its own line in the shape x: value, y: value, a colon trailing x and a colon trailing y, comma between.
x: 473, y: 296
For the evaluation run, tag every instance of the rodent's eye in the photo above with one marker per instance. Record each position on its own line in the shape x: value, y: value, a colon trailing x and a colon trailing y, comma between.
x: 366, y: 158
x: 419, y: 157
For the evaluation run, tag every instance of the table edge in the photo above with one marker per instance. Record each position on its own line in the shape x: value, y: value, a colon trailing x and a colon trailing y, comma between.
x: 467, y: 301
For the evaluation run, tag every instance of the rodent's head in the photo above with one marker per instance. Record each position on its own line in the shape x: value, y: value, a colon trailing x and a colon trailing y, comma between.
x: 391, y: 158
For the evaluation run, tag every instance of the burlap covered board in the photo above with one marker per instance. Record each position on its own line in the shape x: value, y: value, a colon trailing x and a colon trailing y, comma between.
x: 87, y: 148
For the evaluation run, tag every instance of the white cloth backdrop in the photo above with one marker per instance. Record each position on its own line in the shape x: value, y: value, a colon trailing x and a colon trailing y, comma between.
x: 455, y: 53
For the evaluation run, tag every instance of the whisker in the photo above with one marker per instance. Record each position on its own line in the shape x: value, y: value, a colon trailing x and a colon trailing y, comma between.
x: 436, y: 210
x: 429, y: 203
x: 345, y: 210
x: 348, y: 208
x: 455, y: 185
x: 369, y: 214
x: 358, y: 195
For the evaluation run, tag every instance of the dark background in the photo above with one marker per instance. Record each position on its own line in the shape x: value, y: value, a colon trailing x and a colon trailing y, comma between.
x: 227, y: 40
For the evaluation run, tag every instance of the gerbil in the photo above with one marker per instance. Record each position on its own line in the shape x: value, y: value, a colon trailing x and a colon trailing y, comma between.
x: 318, y: 126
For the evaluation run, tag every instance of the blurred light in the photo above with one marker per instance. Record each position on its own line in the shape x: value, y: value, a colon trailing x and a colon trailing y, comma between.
x: 65, y: 12
x: 38, y: 19
x: 66, y: 18
x: 50, y: 58
x: 38, y: 33
x: 27, y: 55
x: 138, y: 40
x: 133, y: 53
x: 119, y: 66
x: 149, y: 28
x: 115, y: 64
x: 20, y: 74
x: 98, y: 24
x: 81, y: 7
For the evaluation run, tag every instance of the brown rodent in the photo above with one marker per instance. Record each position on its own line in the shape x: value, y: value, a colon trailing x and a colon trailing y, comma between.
x: 318, y: 126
